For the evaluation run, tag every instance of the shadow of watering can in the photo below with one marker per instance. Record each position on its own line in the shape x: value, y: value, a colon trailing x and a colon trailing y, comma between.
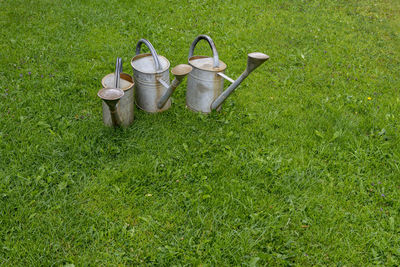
x: 206, y: 81
x: 151, y: 75
x: 115, y: 114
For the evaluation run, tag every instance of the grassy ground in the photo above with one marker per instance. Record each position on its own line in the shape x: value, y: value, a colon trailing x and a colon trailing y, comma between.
x: 300, y: 168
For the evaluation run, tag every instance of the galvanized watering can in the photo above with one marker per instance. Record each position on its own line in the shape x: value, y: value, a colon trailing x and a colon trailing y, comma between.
x: 117, y: 96
x: 206, y: 81
x: 151, y: 76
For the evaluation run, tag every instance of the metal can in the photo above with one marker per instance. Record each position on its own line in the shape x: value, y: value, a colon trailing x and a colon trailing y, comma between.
x: 125, y: 106
x: 150, y: 71
x: 204, y: 84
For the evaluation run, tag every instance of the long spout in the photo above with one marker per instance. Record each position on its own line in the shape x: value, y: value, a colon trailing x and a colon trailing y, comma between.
x: 179, y: 71
x: 111, y: 97
x: 254, y: 60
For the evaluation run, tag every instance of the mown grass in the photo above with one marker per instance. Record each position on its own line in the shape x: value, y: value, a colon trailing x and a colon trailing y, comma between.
x: 300, y: 168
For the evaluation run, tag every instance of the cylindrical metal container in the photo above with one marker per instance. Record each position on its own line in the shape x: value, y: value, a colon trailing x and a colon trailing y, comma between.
x: 203, y: 83
x: 148, y: 69
x: 125, y: 107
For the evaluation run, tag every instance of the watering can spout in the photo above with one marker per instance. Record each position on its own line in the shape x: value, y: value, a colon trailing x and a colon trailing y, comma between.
x: 111, y: 97
x: 179, y: 71
x: 254, y: 60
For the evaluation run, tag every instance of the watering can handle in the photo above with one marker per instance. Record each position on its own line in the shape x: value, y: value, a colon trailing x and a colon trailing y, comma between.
x: 212, y: 45
x: 152, y: 50
x: 117, y: 73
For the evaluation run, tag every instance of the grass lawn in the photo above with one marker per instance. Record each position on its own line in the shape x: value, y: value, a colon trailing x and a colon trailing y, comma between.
x: 301, y: 166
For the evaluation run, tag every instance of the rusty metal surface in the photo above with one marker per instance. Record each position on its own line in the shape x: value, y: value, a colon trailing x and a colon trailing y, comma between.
x: 206, y: 63
x: 125, y: 82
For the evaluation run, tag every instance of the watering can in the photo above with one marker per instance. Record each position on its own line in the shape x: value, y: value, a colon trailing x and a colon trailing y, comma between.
x: 206, y: 81
x: 151, y: 76
x: 126, y: 105
x: 117, y: 96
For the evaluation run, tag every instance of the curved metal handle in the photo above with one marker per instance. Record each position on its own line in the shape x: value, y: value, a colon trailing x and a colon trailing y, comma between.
x: 212, y: 45
x: 117, y: 73
x: 152, y: 50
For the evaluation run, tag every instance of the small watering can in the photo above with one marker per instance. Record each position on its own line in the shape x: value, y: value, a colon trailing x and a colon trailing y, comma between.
x: 206, y: 82
x: 151, y: 76
x: 117, y: 91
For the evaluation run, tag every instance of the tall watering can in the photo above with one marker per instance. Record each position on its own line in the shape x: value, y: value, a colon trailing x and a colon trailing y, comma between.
x: 206, y: 81
x: 151, y: 76
x: 125, y: 110
x: 112, y: 96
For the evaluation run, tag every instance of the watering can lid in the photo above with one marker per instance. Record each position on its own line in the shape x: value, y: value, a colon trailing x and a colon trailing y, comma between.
x: 206, y: 63
x: 125, y: 82
x: 145, y: 63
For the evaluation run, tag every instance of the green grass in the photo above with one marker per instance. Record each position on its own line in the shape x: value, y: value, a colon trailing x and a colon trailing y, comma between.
x: 299, y: 168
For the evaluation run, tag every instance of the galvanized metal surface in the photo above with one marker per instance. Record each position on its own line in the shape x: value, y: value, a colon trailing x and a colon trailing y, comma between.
x: 148, y: 91
x: 153, y: 52
x: 205, y: 83
x: 254, y: 60
x: 111, y: 97
x: 203, y: 87
x: 118, y: 70
x: 125, y: 81
x: 225, y: 77
x: 206, y: 63
x: 212, y: 46
x: 151, y: 76
x: 145, y: 63
x: 126, y: 105
x: 180, y: 71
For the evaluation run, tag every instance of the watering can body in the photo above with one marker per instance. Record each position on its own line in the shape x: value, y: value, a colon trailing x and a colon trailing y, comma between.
x: 117, y: 96
x: 205, y: 85
x: 148, y: 88
x: 151, y: 76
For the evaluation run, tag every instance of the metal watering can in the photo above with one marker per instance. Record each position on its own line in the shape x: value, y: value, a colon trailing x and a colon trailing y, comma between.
x: 151, y: 76
x: 206, y: 81
x: 117, y: 96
